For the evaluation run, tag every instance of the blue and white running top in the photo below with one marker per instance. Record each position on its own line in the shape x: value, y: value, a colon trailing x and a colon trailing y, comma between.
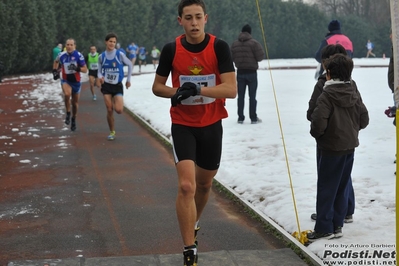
x: 111, y: 66
x: 132, y: 50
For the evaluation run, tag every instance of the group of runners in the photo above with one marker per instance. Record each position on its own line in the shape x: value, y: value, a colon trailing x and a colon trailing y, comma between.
x: 105, y: 71
x: 134, y: 51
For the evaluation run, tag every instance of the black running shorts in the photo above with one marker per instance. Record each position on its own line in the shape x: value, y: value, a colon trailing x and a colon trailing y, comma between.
x: 113, y: 89
x: 203, y: 145
x: 93, y: 73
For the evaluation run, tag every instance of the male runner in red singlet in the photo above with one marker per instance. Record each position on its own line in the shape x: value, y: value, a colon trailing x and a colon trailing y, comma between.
x: 203, y: 75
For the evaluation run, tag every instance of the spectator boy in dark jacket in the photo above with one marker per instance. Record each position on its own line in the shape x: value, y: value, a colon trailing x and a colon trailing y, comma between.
x: 328, y: 51
x: 336, y: 121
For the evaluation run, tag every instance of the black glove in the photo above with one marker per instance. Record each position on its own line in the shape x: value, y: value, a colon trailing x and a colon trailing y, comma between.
x: 194, y: 88
x: 56, y: 74
x: 74, y: 67
x: 179, y: 96
x: 186, y: 90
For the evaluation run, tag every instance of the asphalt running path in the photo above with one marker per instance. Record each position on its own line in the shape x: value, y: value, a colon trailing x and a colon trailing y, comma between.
x: 65, y: 194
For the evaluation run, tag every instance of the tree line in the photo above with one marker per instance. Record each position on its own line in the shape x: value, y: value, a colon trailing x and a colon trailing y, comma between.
x: 29, y: 30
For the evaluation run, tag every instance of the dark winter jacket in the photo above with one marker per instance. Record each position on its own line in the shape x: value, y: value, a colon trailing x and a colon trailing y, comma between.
x: 338, y: 117
x: 318, y: 89
x: 246, y: 53
x: 391, y: 79
x: 348, y: 45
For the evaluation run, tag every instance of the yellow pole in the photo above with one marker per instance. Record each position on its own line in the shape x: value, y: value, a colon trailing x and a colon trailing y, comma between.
x: 301, y: 236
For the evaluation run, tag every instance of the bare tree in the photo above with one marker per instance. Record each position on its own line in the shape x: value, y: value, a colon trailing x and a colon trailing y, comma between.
x: 377, y: 12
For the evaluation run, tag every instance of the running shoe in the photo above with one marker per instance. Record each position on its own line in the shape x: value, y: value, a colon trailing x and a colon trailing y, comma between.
x: 190, y: 258
x: 94, y: 97
x: 68, y: 118
x: 111, y: 135
x: 196, y: 241
x: 73, y: 124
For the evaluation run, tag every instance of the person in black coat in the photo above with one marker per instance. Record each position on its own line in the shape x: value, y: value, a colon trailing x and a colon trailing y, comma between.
x: 334, y: 36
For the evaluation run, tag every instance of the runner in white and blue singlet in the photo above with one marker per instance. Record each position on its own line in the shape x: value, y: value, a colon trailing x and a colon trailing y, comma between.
x: 110, y: 76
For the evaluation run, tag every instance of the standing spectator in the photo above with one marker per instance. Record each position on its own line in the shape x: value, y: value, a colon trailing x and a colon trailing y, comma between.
x: 72, y: 63
x: 391, y: 111
x: 247, y: 52
x: 370, y: 47
x: 142, y: 57
x: 334, y: 36
x: 155, y: 53
x: 57, y: 50
x: 92, y: 63
x: 328, y: 51
x: 391, y: 76
x: 335, y: 124
x: 202, y: 77
x: 132, y: 51
x: 110, y: 76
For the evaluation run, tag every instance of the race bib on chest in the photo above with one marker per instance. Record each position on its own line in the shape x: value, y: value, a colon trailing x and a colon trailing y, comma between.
x: 94, y: 66
x: 204, y: 81
x: 68, y: 67
x: 111, y: 77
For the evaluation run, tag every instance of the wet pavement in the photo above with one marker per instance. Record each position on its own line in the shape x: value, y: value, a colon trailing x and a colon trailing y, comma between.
x: 74, y: 198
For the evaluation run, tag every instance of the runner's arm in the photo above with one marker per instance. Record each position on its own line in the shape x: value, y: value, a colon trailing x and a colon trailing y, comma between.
x: 228, y: 86
x: 56, y: 62
x: 129, y: 64
x: 83, y: 68
x: 100, y: 67
x: 160, y: 89
x: 226, y: 89
x: 82, y: 63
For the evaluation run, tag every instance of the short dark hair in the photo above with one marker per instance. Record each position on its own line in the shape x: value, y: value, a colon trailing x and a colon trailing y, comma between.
x: 71, y: 39
x: 111, y: 35
x: 332, y: 49
x: 184, y: 3
x: 339, y: 66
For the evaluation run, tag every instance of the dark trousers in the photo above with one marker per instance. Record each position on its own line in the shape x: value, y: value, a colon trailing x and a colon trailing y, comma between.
x: 351, y: 196
x: 244, y: 80
x: 334, y: 175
